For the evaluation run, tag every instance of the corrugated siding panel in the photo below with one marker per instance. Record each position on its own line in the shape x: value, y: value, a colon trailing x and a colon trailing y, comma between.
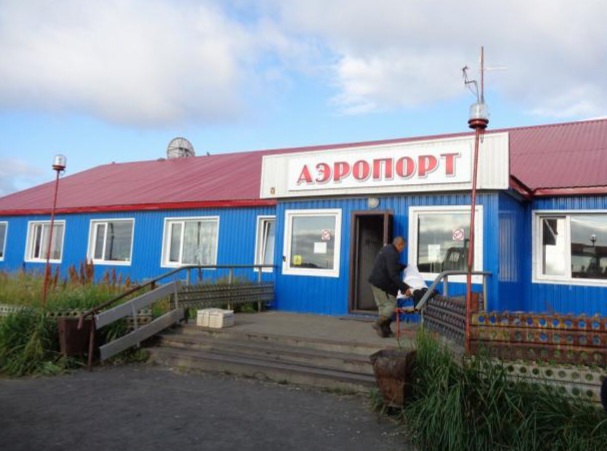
x: 236, y: 241
x: 511, y: 243
x: 327, y: 295
x: 15, y: 242
x: 494, y: 163
x: 561, y: 297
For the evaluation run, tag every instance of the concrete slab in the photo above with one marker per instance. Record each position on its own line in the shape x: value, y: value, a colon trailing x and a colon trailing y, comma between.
x: 355, y: 329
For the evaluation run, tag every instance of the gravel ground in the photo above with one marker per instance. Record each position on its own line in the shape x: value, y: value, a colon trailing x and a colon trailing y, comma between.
x: 148, y: 408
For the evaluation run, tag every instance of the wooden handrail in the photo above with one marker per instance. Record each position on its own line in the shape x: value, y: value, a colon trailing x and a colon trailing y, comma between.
x: 152, y: 282
x: 93, y: 311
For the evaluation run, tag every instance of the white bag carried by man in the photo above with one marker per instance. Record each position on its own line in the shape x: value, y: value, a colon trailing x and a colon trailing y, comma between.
x: 417, y: 284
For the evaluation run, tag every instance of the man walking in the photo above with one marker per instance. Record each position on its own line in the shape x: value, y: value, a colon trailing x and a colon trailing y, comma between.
x: 385, y: 282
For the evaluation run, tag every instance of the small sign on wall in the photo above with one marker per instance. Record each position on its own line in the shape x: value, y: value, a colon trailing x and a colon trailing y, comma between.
x: 458, y: 234
x: 320, y: 248
x: 434, y: 253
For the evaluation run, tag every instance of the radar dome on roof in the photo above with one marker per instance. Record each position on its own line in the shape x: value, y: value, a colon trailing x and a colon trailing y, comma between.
x: 180, y: 148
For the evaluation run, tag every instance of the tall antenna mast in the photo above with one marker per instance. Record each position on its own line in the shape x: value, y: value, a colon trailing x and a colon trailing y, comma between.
x: 479, y: 119
x: 482, y: 74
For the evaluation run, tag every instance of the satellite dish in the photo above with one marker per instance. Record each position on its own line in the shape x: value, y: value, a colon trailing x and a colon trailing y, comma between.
x: 180, y: 148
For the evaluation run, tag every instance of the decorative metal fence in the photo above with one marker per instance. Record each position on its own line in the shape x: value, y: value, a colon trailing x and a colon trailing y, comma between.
x: 541, y: 337
x: 566, y: 351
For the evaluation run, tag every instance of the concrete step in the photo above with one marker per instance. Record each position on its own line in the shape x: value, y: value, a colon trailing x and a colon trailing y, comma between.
x: 275, y: 351
x: 330, y: 364
x: 351, y: 347
x: 199, y: 360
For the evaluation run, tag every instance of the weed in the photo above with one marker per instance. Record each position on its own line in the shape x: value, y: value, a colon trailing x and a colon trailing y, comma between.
x: 472, y: 404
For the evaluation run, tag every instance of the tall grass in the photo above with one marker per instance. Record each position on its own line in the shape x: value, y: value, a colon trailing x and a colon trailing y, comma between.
x: 29, y: 338
x: 471, y: 404
x: 77, y: 290
x: 29, y: 345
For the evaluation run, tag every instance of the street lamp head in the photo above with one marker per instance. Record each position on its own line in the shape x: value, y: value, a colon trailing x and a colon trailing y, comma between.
x: 60, y: 162
x: 479, y: 116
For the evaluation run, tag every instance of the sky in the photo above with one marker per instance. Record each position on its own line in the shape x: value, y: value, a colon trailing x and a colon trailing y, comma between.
x: 116, y: 80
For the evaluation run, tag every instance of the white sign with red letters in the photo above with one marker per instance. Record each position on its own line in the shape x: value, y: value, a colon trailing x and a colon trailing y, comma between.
x: 406, y: 166
x: 416, y: 166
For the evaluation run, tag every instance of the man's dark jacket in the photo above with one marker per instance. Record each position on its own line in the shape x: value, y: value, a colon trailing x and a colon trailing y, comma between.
x: 385, y: 274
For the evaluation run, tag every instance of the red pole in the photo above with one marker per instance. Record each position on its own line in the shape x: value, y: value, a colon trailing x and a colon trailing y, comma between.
x: 471, y: 241
x: 478, y: 123
x: 47, y: 270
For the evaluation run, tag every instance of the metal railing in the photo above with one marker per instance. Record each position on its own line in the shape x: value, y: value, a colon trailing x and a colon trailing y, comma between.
x: 101, y: 317
x: 444, y: 278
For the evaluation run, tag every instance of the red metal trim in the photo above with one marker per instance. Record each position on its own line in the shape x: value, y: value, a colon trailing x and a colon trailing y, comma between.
x: 146, y: 207
x: 580, y: 191
x: 521, y: 188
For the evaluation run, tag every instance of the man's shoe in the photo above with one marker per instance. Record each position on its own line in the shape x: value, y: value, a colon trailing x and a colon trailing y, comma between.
x: 387, y: 331
x: 378, y: 326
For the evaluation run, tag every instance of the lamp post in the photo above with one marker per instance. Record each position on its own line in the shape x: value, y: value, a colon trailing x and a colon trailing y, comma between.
x: 59, y: 164
x: 479, y: 119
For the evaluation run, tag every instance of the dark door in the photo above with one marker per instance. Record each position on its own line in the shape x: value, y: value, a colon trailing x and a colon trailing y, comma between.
x: 370, y: 231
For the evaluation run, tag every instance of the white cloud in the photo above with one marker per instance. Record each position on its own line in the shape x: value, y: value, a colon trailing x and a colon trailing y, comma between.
x: 141, y: 61
x: 391, y: 53
x: 16, y: 174
x: 159, y: 62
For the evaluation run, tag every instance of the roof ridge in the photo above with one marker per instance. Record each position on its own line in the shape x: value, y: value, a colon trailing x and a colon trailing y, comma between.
x: 558, y: 124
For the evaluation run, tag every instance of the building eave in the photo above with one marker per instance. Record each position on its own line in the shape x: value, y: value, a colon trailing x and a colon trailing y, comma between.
x: 145, y: 207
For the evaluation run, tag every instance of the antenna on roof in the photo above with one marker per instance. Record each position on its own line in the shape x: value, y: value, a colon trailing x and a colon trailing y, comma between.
x: 479, y: 114
x: 180, y: 148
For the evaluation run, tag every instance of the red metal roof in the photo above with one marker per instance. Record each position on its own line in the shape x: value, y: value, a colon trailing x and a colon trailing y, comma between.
x: 561, y: 157
x: 566, y: 159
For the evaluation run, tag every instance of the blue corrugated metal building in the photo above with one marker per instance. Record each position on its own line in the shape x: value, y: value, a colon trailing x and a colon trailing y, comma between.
x: 321, y: 214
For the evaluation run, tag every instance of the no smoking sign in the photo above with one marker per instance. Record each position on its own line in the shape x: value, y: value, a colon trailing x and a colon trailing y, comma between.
x: 458, y: 235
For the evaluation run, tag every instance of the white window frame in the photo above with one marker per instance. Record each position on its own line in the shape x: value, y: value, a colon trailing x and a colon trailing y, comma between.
x: 412, y: 243
x: 260, y: 240
x: 93, y: 240
x: 295, y: 271
x: 536, y: 235
x: 166, y: 238
x: 3, y: 248
x: 31, y: 225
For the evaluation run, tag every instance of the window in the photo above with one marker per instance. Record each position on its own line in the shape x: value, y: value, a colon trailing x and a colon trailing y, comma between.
x: 266, y: 237
x: 571, y: 247
x: 190, y: 241
x: 440, y: 237
x: 38, y: 236
x: 111, y: 241
x: 312, y: 242
x: 3, y: 229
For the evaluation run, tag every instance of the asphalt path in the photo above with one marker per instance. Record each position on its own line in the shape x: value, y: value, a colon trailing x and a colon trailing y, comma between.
x: 148, y: 408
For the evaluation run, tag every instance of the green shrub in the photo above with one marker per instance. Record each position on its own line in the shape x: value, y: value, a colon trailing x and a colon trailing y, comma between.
x: 471, y: 404
x: 29, y: 344
x: 29, y: 339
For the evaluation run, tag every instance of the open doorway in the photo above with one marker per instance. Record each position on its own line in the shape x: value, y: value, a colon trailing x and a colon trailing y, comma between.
x: 370, y: 231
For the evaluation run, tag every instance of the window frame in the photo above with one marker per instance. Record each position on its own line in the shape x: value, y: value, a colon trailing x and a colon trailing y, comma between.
x: 5, y: 239
x: 93, y: 240
x: 412, y: 243
x: 315, y: 272
x: 537, y: 243
x: 260, y: 241
x: 31, y: 225
x: 166, y: 239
